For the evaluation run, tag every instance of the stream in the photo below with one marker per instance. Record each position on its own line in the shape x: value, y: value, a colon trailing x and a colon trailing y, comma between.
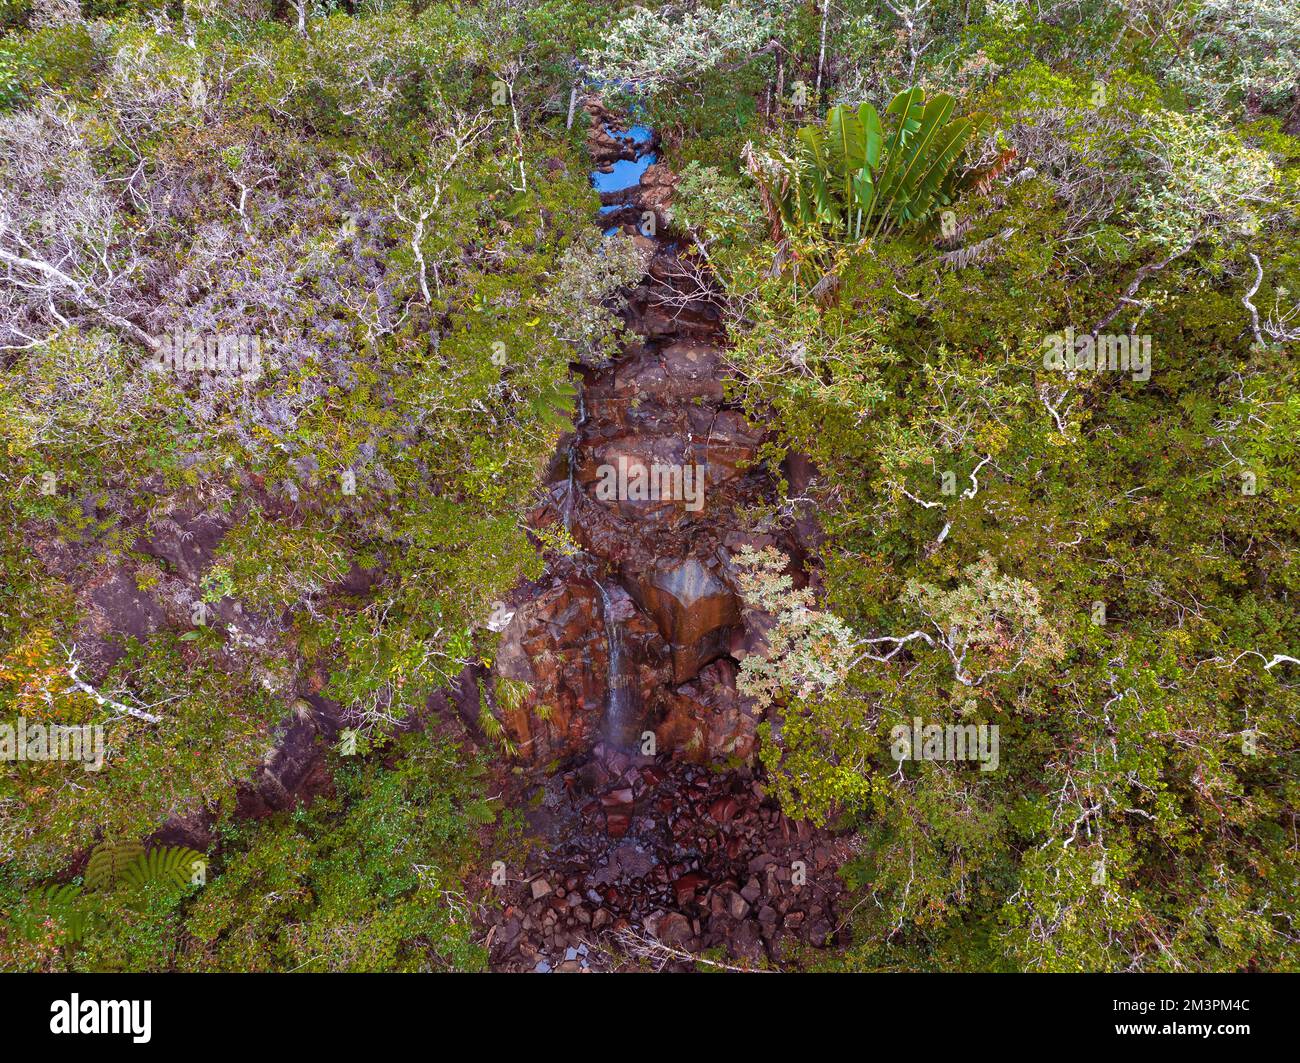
x: 649, y: 827
x: 623, y: 175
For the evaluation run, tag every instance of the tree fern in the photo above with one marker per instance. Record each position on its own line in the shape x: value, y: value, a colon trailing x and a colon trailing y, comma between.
x: 115, y: 864
x: 63, y: 902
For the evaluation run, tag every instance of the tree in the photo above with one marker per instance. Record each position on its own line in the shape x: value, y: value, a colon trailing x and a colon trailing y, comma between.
x: 83, y: 268
x: 651, y: 50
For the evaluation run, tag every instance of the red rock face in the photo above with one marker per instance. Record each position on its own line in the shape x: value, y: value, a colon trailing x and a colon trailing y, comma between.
x: 692, y: 606
x: 548, y: 644
x: 726, y: 728
x: 656, y: 852
x: 662, y: 555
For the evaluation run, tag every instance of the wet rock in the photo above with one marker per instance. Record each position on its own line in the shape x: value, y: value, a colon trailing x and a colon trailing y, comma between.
x: 724, y: 809
x: 127, y: 609
x: 692, y: 607
x: 746, y: 942
x: 709, y: 719
x: 672, y: 875
x: 633, y: 841
x: 799, y: 473
x: 555, y: 644
x: 685, y: 888
x: 658, y: 184
x: 625, y: 862
x: 604, y: 148
x: 617, y: 797
x: 295, y: 769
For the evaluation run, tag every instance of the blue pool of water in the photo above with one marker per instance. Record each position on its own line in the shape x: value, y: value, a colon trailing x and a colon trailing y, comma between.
x: 640, y: 134
x: 624, y: 174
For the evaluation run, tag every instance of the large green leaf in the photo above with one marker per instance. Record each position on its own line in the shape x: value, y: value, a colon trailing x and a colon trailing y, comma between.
x: 814, y: 146
x: 857, y: 175
x: 816, y: 202
x: 940, y: 167
x: 900, y: 191
x: 908, y: 107
x: 846, y: 144
x: 845, y: 139
x: 873, y: 134
x: 930, y: 147
x: 906, y: 110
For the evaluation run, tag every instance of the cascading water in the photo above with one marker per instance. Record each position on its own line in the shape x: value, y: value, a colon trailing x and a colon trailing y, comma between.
x: 620, y: 714
x: 649, y: 841
x: 620, y: 718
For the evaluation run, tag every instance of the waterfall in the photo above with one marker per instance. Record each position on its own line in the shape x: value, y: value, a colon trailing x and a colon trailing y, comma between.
x: 619, y: 714
x: 621, y: 710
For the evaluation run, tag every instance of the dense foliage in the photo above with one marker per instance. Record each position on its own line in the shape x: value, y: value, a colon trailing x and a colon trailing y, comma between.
x: 1102, y: 562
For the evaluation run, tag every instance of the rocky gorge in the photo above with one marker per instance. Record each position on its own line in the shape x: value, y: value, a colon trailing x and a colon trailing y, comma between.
x: 649, y: 821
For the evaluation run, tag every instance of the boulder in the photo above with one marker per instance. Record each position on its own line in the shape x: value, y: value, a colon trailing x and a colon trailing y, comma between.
x: 692, y: 607
x: 657, y: 186
x: 710, y: 720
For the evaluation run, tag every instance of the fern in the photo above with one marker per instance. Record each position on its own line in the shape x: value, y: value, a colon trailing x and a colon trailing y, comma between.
x: 115, y: 864
x: 112, y: 865
x: 173, y: 864
x: 104, y: 869
x: 554, y: 406
x: 59, y: 895
x: 63, y: 902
